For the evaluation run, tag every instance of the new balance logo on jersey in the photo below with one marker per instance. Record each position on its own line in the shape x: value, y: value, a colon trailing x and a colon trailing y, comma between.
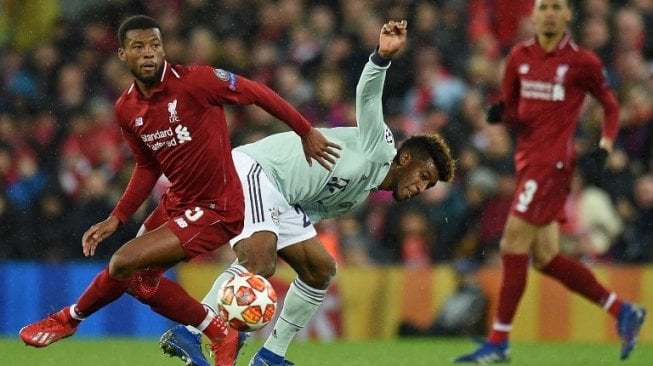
x: 181, y: 222
x: 172, y: 109
x: 138, y: 121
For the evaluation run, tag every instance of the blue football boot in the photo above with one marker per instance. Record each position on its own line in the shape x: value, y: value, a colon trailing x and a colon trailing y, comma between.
x: 264, y: 357
x: 487, y: 353
x: 178, y: 341
x: 629, y: 322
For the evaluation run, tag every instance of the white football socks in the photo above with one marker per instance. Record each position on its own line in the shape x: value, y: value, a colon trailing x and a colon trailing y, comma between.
x: 300, y: 305
x: 211, y: 297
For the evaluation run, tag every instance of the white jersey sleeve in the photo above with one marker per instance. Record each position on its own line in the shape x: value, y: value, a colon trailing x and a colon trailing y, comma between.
x: 369, y: 108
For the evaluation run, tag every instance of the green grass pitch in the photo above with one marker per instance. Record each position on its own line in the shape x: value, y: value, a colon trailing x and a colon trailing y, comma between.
x: 145, y: 352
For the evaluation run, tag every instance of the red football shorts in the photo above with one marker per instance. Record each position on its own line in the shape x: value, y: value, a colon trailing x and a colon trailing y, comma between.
x: 199, y: 229
x: 541, y: 194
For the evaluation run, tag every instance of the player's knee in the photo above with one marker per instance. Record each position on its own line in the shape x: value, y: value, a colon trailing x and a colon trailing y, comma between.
x: 320, y: 275
x: 264, y: 268
x: 330, y: 272
x: 145, y: 283
x: 258, y: 254
x: 120, y: 267
x: 541, y: 260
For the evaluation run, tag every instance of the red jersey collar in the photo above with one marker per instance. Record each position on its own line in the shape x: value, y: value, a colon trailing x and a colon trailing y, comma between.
x: 564, y: 42
x: 167, y: 69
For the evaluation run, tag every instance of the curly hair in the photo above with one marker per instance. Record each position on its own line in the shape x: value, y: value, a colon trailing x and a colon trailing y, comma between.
x: 431, y: 147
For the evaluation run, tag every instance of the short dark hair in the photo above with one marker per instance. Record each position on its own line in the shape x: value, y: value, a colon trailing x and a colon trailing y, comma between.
x: 135, y: 22
x: 433, y: 147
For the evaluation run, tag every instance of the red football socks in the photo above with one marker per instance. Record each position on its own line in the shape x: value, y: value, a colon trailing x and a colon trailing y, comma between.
x: 216, y: 329
x: 173, y: 302
x: 515, y: 273
x: 102, y: 291
x: 578, y: 278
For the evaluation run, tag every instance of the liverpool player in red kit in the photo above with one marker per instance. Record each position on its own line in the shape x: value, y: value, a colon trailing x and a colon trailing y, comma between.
x: 172, y: 117
x: 544, y: 85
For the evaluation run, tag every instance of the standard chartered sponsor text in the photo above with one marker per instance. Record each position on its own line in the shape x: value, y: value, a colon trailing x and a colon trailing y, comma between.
x: 153, y: 139
x: 159, y: 134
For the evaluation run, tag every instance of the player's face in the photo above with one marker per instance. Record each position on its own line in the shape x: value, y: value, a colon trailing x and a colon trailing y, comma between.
x: 143, y: 53
x: 551, y: 17
x: 413, y: 178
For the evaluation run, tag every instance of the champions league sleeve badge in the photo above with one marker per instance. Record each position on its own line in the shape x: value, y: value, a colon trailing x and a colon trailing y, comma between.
x: 221, y: 74
x: 226, y: 76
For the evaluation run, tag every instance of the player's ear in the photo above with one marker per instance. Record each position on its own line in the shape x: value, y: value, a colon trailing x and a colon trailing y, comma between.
x: 404, y: 158
x: 121, y: 54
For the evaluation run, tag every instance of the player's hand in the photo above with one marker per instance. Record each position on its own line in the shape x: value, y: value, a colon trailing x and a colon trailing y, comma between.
x: 98, y: 232
x: 595, y: 164
x: 392, y: 38
x: 495, y: 113
x: 317, y: 147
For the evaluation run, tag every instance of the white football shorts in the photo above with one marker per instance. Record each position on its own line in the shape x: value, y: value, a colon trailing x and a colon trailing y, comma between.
x: 266, y: 209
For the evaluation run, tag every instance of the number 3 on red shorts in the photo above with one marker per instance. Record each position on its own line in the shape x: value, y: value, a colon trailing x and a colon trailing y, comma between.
x: 195, y: 214
x: 526, y: 196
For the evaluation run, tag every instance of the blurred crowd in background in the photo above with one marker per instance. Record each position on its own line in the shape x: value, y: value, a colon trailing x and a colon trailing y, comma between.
x: 63, y: 163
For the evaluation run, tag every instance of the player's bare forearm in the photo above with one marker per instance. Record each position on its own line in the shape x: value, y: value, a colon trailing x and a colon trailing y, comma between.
x: 317, y: 147
x: 392, y: 38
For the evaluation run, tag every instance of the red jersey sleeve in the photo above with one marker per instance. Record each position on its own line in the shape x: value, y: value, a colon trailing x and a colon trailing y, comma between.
x: 224, y: 87
x: 597, y: 85
x: 510, y: 89
x: 144, y: 176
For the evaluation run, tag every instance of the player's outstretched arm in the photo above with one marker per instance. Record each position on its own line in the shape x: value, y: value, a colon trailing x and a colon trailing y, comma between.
x: 243, y: 91
x: 369, y: 90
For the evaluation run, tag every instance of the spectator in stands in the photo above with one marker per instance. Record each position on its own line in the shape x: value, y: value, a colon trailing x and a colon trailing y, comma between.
x: 593, y: 223
x: 464, y: 312
x: 638, y: 236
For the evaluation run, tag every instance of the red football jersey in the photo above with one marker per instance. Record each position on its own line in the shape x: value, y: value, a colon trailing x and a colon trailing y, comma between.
x: 543, y: 95
x: 181, y: 131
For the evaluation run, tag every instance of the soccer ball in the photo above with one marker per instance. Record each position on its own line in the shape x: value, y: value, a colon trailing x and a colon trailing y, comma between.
x: 247, y: 302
